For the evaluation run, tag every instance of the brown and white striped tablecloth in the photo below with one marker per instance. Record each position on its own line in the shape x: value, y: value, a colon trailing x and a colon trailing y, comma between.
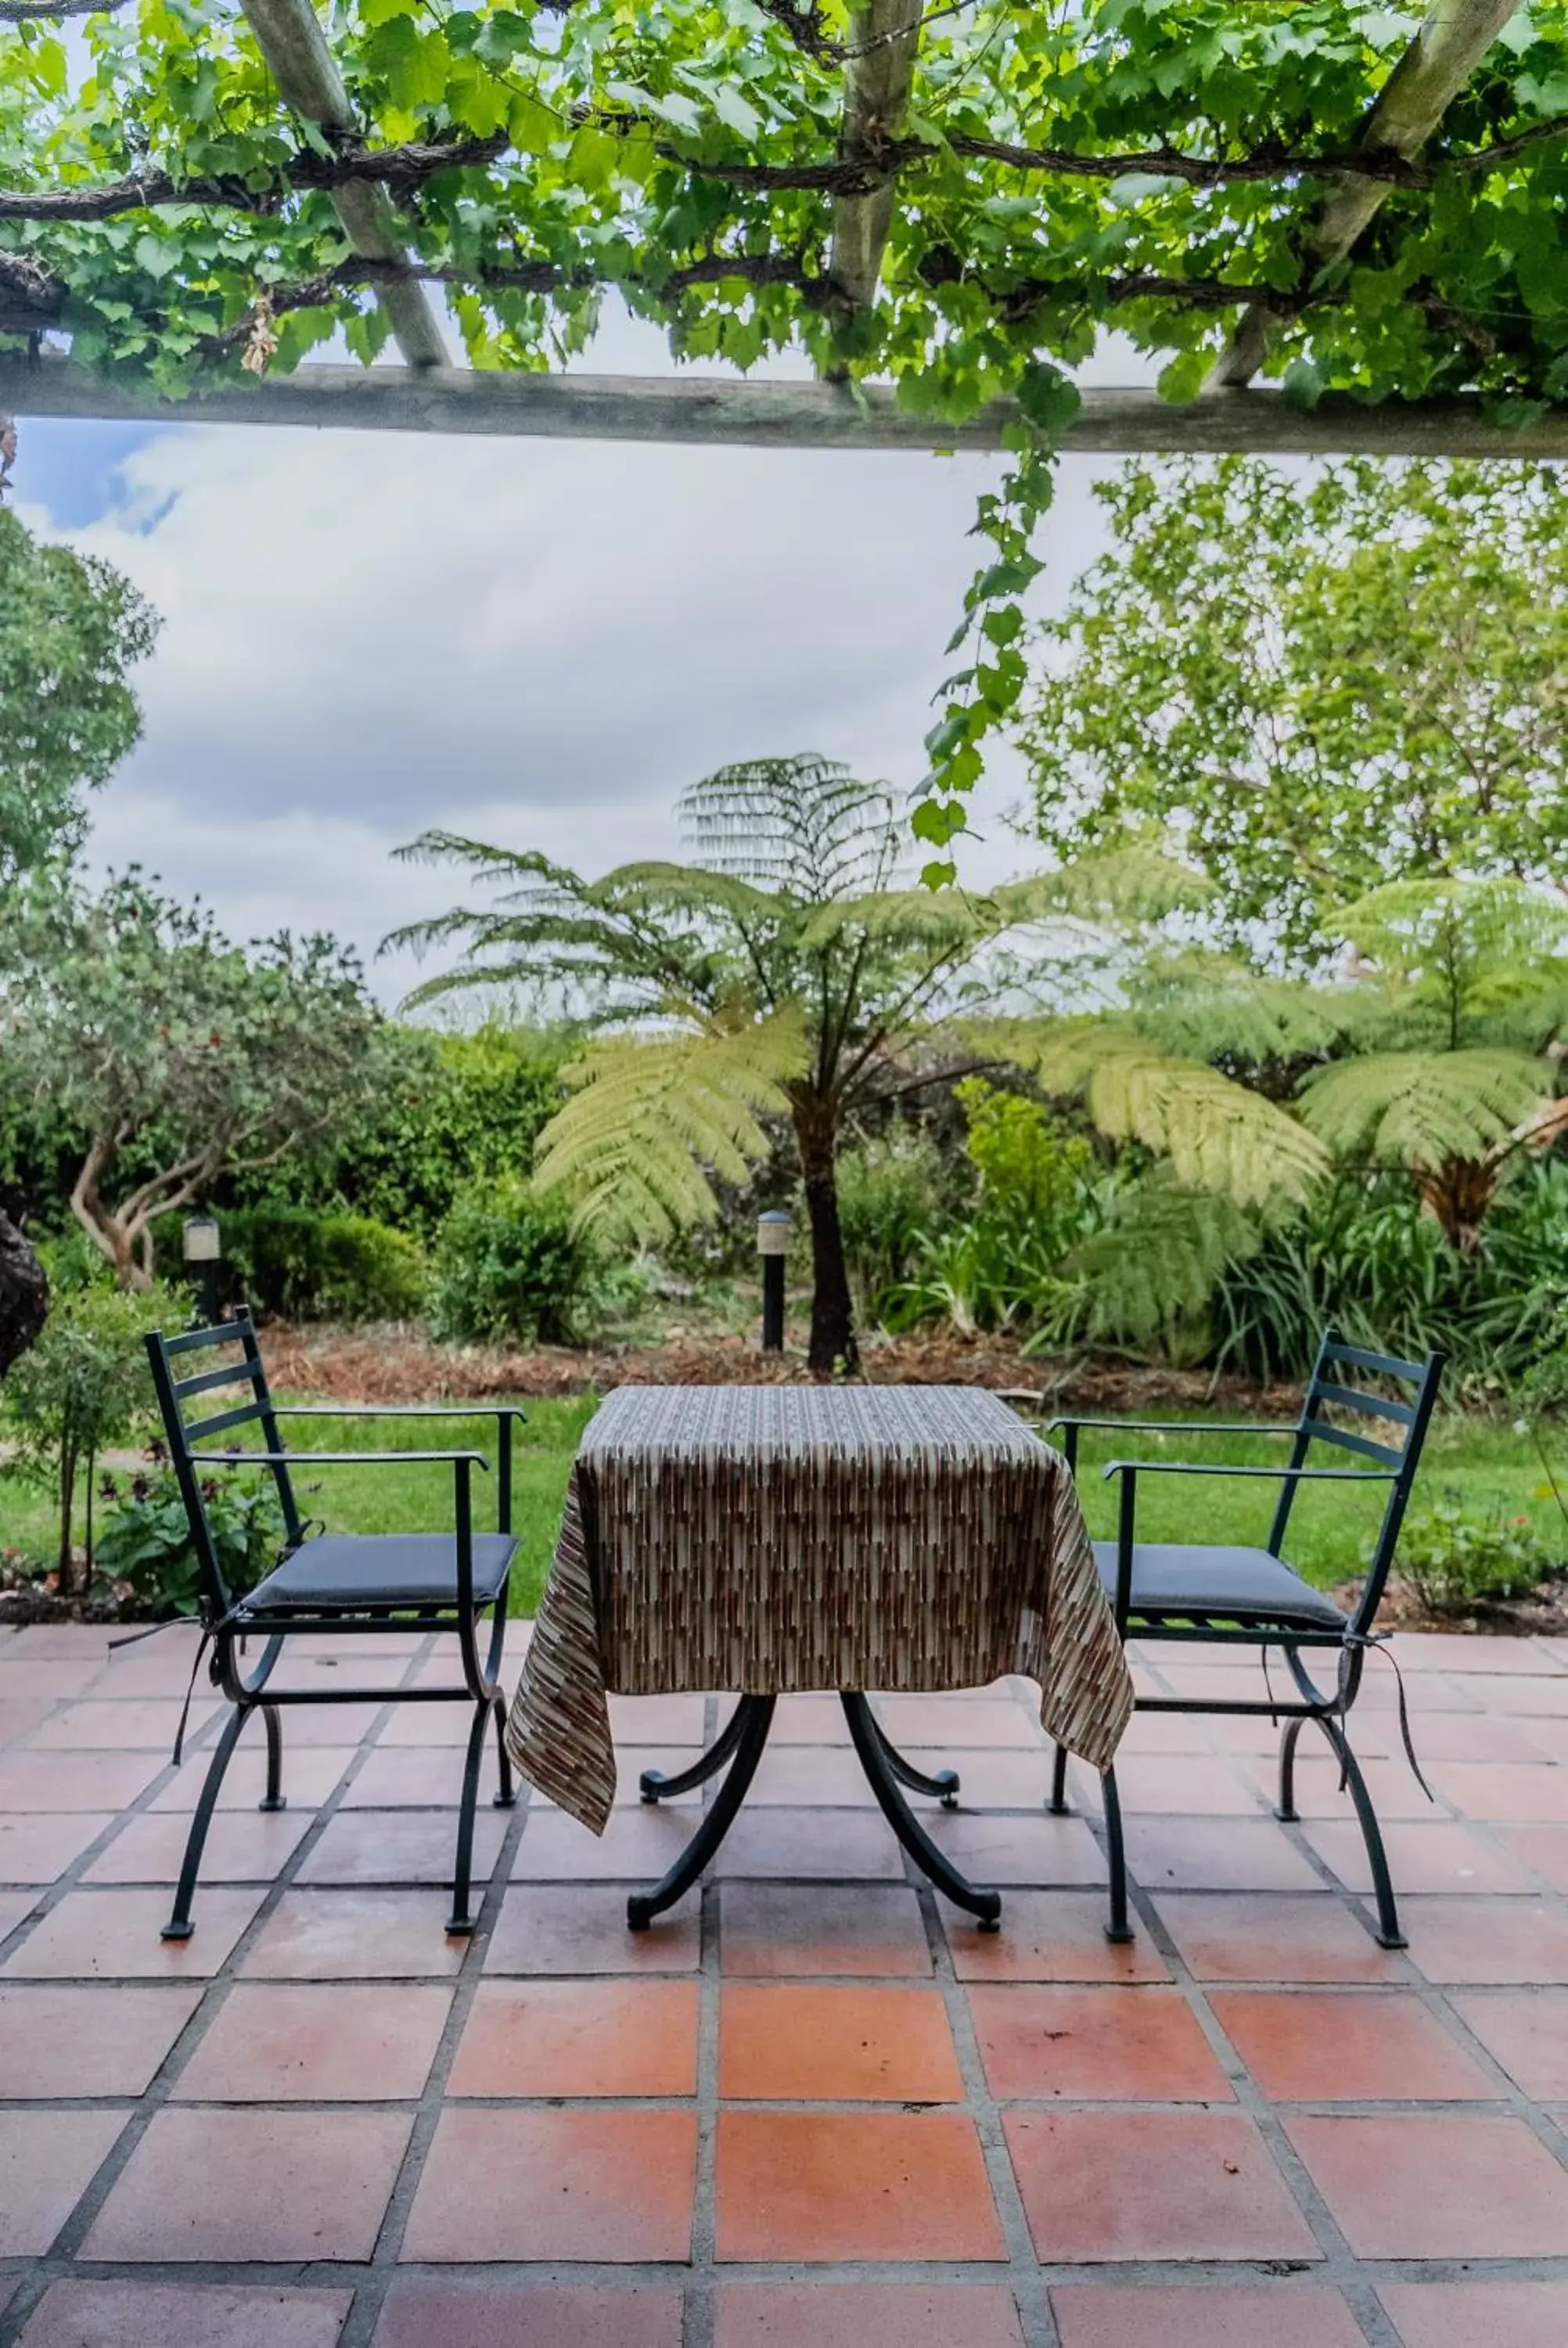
x: 765, y: 1538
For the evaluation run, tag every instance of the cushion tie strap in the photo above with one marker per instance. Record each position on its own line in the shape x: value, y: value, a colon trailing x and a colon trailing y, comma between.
x: 1369, y: 1640
x: 202, y: 1645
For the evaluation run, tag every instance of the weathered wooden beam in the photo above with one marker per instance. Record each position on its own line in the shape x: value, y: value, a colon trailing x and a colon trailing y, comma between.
x: 289, y: 37
x: 758, y: 415
x: 1440, y: 59
x: 878, y: 75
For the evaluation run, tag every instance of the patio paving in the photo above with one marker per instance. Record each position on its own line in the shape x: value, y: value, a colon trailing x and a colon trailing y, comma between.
x: 813, y: 2106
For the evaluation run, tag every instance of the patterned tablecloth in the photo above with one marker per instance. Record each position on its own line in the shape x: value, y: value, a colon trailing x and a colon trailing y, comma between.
x: 764, y: 1538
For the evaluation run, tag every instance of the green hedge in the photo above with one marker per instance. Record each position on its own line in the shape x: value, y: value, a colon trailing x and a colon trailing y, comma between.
x: 310, y: 1267
x: 509, y: 1264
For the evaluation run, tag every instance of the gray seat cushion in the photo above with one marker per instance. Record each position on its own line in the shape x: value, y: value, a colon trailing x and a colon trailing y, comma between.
x: 1233, y: 1585
x: 360, y: 1570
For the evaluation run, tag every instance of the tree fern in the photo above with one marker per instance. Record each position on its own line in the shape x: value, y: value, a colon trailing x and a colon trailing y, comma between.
x: 651, y: 1116
x: 1158, y: 1259
x: 1422, y: 1108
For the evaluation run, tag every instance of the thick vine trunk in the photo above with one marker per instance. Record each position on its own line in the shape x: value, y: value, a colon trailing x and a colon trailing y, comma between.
x: 24, y: 1295
x: 833, y: 1346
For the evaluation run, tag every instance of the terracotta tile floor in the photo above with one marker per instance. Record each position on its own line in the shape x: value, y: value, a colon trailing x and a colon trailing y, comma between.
x: 814, y: 2107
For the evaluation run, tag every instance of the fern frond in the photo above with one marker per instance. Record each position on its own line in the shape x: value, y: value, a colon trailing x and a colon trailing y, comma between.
x: 1138, y: 882
x: 652, y: 1116
x: 1218, y: 1136
x: 1201, y: 1004
x: 1418, y: 1108
x: 803, y: 826
x: 1159, y: 1259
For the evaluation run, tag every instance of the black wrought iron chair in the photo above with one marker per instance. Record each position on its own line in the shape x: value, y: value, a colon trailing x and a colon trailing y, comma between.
x: 1251, y: 1597
x: 359, y: 1583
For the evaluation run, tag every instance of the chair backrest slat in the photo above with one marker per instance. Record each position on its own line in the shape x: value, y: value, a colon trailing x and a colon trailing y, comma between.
x: 182, y: 1435
x: 1329, y: 1392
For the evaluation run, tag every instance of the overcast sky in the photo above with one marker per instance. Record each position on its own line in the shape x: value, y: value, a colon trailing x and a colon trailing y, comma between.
x: 535, y: 641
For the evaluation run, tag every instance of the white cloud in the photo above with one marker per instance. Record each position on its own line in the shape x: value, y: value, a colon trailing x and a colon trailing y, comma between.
x: 538, y: 642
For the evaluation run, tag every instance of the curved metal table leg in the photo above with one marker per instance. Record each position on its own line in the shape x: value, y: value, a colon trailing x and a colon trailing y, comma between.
x: 986, y: 1906
x: 754, y: 1714
x: 943, y: 1786
x: 655, y: 1787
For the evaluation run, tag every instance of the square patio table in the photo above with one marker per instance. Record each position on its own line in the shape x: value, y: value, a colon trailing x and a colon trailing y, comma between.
x: 770, y: 1539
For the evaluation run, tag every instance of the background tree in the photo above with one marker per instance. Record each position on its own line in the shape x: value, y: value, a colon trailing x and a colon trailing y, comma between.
x: 1315, y: 683
x: 70, y: 629
x: 174, y: 1054
x: 786, y: 969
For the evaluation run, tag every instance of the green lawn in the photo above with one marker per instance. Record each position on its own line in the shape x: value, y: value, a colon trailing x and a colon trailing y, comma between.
x: 1485, y: 1463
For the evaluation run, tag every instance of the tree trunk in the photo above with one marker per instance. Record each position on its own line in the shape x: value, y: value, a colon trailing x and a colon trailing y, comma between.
x: 66, y: 1561
x: 833, y: 1346
x: 1458, y: 1193
x: 24, y: 1295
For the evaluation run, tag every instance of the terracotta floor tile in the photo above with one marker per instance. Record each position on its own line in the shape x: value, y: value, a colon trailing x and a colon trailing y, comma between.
x: 36, y: 1848
x: 630, y: 1760
x: 1048, y: 1936
x: 1440, y: 1650
x: 1391, y: 1784
x: 1515, y: 1698
x: 18, y: 1718
x: 308, y: 1779
x: 1347, y: 2045
x: 1459, y: 2315
x: 582, y: 1929
x: 247, y: 1846
x: 801, y: 1843
x: 602, y: 2037
x: 863, y: 2315
x: 1215, y: 1855
x: 661, y: 1719
x: 93, y: 1726
x: 1429, y: 2186
x: 1543, y: 1849
x: 254, y: 2185
x: 1527, y: 2031
x: 637, y: 1845
x: 47, y: 2160
x: 829, y: 1775
x: 1506, y: 1942
x: 1152, y: 2185
x: 1176, y: 1785
x: 1482, y: 1737
x: 807, y: 1720
x: 943, y: 1721
x: 1203, y: 2315
x: 28, y: 1679
x: 355, y: 1935
x: 810, y: 2185
x: 1251, y: 1937
x: 990, y: 1777
x: 771, y: 1930
x: 614, y: 2187
x: 74, y: 1781
x: 93, y: 2042
x: 426, y: 1723
x: 14, y: 1905
x: 1439, y: 1857
x: 1142, y: 2044
x: 414, y: 1777
x: 1546, y: 1737
x: 1172, y: 1731
x: 151, y: 2316
x: 114, y: 1936
x: 417, y: 2315
x: 785, y: 2042
x: 309, y: 1727
x: 297, y: 2042
x: 1009, y: 1848
x: 1515, y: 1793
x: 366, y: 1847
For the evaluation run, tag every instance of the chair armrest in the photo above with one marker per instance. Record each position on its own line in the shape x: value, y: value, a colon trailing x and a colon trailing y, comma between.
x: 332, y: 1458
x: 507, y: 1416
x: 1185, y: 1425
x: 1274, y: 1475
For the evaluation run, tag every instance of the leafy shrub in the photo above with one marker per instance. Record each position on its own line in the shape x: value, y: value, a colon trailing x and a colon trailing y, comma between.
x: 891, y: 1191
x: 312, y: 1267
x: 1457, y: 1560
x: 145, y: 1538
x: 1033, y: 1169
x: 508, y: 1264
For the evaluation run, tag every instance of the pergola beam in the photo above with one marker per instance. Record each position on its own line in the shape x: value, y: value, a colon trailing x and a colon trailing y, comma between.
x: 1413, y: 102
x: 748, y: 414
x: 289, y: 37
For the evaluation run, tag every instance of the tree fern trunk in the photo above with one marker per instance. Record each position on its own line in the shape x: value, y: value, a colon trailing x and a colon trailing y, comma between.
x: 24, y: 1295
x: 833, y: 1345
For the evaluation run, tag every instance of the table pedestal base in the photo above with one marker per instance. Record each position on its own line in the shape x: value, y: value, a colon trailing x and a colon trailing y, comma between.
x: 740, y: 1744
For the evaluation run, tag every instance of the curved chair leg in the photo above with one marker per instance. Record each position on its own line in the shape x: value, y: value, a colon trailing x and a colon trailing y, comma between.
x: 1389, y: 1933
x: 985, y: 1906
x: 1291, y: 1736
x: 1057, y: 1804
x: 654, y: 1786
x: 461, y: 1921
x: 507, y: 1794
x: 1117, y: 1929
x: 942, y: 1786
x: 755, y: 1715
x: 179, y: 1926
x: 274, y: 1798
